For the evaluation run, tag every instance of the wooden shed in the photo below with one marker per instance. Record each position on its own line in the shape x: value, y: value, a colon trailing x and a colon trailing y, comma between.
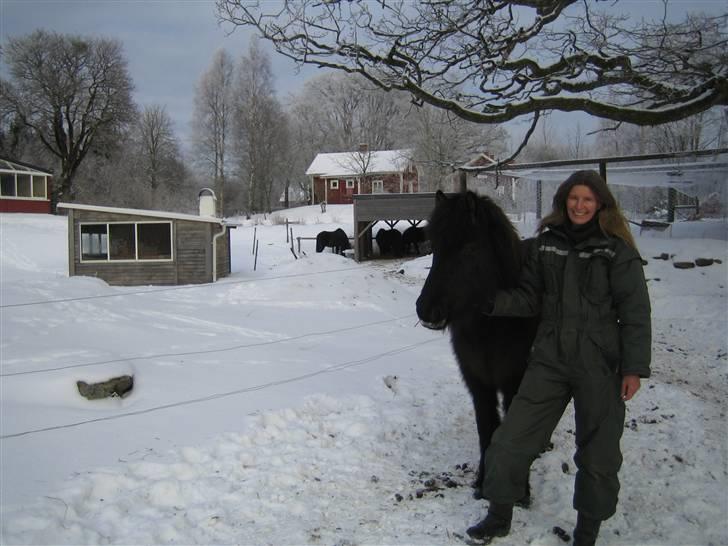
x: 24, y: 188
x: 129, y: 247
x: 390, y: 208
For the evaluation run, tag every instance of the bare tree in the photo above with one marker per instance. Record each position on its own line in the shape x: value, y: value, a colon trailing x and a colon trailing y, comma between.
x: 213, y: 120
x: 698, y: 132
x: 343, y: 110
x: 73, y: 93
x: 546, y: 145
x: 442, y: 142
x: 492, y: 61
x: 158, y: 151
x: 261, y: 131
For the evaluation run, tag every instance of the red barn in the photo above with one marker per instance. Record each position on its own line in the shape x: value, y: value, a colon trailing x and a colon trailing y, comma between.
x: 337, y: 177
x: 24, y: 188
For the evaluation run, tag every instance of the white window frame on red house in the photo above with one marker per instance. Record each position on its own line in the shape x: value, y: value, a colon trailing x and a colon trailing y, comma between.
x: 377, y: 186
x: 334, y: 184
x: 34, y: 181
x: 349, y: 183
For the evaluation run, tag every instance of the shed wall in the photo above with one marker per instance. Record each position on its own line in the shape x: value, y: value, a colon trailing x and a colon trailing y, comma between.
x: 192, y: 253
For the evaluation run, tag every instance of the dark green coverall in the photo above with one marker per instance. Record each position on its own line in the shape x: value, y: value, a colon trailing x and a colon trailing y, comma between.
x: 595, y: 328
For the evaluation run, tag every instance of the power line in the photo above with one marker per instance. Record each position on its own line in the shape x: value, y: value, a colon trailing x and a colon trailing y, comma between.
x: 174, y: 288
x: 217, y: 396
x: 206, y: 351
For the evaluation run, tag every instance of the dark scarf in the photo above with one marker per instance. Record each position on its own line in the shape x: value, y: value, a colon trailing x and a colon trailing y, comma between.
x: 580, y: 233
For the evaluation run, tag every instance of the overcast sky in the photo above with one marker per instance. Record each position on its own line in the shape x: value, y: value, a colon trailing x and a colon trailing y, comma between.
x: 170, y: 43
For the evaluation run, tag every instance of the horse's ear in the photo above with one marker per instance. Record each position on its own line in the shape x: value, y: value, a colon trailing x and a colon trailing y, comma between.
x: 471, y: 201
x: 439, y: 196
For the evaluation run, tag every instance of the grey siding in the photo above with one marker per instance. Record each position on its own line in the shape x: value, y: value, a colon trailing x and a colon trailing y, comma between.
x: 192, y: 253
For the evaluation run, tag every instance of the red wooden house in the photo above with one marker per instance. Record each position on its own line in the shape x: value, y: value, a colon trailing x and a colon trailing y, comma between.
x: 24, y: 188
x: 337, y: 177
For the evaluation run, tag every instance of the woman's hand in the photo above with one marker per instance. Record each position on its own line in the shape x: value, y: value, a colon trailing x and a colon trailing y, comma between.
x: 630, y: 386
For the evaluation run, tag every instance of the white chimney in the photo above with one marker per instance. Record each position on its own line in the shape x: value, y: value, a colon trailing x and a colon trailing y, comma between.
x: 208, y: 202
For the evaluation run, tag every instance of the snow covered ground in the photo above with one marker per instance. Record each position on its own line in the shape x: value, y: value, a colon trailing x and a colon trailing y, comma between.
x: 301, y: 403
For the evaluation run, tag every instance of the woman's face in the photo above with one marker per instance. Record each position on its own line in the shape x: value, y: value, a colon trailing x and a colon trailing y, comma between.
x: 581, y: 204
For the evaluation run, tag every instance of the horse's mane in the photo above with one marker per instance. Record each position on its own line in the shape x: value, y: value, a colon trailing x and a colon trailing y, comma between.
x: 467, y: 217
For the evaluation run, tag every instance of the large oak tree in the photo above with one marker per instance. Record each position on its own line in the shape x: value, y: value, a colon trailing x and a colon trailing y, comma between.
x: 73, y: 93
x: 492, y: 61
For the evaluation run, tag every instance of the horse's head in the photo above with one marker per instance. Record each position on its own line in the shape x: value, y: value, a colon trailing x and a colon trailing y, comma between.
x: 474, y: 246
x: 321, y: 240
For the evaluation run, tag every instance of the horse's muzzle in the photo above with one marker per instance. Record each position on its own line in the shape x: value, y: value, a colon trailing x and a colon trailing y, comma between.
x: 441, y: 325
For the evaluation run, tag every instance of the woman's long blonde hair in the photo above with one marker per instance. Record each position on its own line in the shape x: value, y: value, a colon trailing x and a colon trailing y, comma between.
x: 611, y: 220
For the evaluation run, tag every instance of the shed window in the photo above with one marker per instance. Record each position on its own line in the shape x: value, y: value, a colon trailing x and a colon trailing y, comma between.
x: 155, y: 241
x: 349, y: 183
x: 334, y: 185
x: 94, y: 242
x: 121, y: 242
x: 126, y: 241
x: 377, y: 186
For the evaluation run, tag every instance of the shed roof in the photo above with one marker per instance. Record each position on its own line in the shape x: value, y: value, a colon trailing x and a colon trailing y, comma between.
x: 154, y: 213
x: 349, y: 163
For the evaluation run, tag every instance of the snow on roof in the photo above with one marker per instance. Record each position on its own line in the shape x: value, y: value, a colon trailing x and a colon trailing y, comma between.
x: 350, y: 163
x: 7, y: 165
x: 141, y: 212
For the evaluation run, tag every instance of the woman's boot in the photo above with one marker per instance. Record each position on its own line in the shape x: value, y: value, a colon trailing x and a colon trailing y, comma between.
x: 497, y: 523
x: 587, y: 530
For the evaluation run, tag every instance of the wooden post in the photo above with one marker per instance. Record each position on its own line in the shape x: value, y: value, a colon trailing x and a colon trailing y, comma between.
x: 255, y: 262
x: 603, y: 170
x: 287, y: 231
x: 255, y: 234
x: 671, y: 202
x: 539, y: 198
x: 463, y: 181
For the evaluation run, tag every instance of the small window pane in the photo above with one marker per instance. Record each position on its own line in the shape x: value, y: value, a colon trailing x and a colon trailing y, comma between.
x: 24, y: 185
x: 93, y: 242
x: 39, y: 187
x: 155, y: 241
x: 7, y: 185
x: 121, y: 242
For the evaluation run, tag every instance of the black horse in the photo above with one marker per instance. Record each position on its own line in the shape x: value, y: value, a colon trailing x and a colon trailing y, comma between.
x: 337, y: 240
x: 475, y: 252
x: 412, y: 237
x: 390, y: 242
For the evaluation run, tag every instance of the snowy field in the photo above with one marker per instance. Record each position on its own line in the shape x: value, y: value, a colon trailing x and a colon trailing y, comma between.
x: 301, y: 403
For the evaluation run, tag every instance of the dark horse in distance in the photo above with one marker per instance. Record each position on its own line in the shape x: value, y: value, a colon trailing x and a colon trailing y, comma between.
x: 475, y: 252
x: 337, y: 240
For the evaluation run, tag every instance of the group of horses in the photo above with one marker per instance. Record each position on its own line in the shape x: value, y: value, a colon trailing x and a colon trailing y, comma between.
x: 391, y: 242
x: 476, y: 251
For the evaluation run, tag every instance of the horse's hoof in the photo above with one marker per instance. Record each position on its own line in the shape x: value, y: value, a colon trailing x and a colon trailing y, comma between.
x: 525, y: 502
x: 477, y: 490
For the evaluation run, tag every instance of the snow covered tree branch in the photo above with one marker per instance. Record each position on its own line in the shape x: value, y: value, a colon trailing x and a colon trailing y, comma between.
x: 492, y: 61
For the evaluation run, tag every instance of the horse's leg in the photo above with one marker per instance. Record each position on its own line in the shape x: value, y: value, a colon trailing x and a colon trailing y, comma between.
x: 485, y: 403
x: 487, y: 419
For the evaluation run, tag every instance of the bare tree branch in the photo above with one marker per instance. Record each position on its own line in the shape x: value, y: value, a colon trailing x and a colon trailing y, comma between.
x: 492, y: 61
